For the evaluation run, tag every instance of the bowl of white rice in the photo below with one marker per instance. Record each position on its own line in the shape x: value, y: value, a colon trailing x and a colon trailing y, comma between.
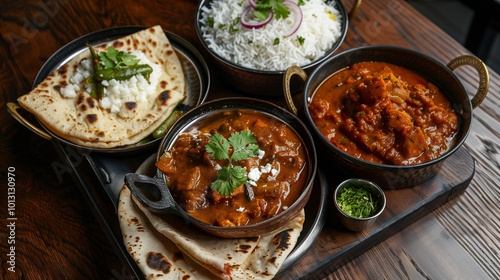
x: 251, y: 54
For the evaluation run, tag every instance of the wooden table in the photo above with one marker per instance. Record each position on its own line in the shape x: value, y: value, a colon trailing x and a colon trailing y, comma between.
x: 57, y: 237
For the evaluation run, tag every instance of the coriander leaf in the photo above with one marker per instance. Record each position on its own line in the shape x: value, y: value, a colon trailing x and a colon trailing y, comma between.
x: 238, y: 177
x: 221, y: 184
x: 240, y: 139
x: 230, y: 177
x: 218, y: 146
x: 128, y: 59
x: 108, y: 63
x: 263, y: 8
x: 243, y: 146
x: 262, y: 14
x: 210, y: 21
x: 112, y: 54
x: 276, y: 41
x: 279, y: 9
x: 251, y: 150
x: 301, y: 39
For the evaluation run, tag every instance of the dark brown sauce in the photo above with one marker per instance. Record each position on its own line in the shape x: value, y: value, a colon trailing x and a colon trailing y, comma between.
x: 191, y: 170
x: 384, y: 113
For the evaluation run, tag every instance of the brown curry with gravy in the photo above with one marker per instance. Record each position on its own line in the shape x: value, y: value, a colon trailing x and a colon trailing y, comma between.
x: 384, y: 113
x: 281, y: 167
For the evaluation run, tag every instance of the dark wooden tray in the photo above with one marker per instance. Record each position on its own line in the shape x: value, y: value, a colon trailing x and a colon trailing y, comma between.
x: 334, y: 246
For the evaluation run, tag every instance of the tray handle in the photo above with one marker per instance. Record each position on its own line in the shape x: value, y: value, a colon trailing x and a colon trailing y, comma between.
x: 13, y: 108
x: 482, y: 70
x: 289, y: 73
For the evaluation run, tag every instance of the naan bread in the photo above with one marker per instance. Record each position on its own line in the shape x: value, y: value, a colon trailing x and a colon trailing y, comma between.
x: 82, y: 121
x: 187, y: 251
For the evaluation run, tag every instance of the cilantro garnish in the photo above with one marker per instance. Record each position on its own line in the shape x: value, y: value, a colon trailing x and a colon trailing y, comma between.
x: 210, y: 21
x: 115, y: 59
x: 276, y: 41
x: 301, y: 40
x: 264, y: 7
x: 235, y: 22
x: 230, y: 177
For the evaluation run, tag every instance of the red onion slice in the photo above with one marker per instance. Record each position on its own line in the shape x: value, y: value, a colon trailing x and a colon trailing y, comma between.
x: 295, y: 8
x: 256, y: 25
x: 252, y: 3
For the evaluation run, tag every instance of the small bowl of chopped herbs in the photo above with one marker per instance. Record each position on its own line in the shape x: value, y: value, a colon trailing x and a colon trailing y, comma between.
x: 359, y: 203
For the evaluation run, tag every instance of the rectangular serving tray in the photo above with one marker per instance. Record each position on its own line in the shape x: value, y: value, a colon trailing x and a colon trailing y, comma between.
x: 97, y: 179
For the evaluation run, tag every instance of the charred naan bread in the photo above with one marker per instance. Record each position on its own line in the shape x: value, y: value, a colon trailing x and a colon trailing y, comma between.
x: 84, y: 120
x: 164, y: 247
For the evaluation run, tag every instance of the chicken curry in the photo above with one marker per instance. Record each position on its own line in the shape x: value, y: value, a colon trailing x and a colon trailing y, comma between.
x: 384, y: 113
x: 276, y: 174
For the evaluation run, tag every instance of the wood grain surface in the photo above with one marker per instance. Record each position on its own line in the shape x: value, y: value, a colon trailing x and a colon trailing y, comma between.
x: 58, y: 237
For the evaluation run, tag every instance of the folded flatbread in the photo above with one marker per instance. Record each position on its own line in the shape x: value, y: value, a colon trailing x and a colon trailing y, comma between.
x: 186, y: 251
x: 81, y: 120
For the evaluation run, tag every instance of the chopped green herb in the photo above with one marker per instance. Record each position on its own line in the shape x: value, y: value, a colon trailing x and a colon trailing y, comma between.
x: 362, y: 113
x: 357, y: 202
x: 221, y: 25
x: 210, y: 21
x: 230, y: 177
x: 115, y: 59
x: 264, y: 7
x: 343, y: 141
x: 301, y: 3
x: 301, y: 39
x: 235, y: 22
x: 276, y: 41
x: 250, y: 41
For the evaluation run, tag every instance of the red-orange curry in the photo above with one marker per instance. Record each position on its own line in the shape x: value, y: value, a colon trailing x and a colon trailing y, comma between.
x: 384, y: 113
x: 282, y: 168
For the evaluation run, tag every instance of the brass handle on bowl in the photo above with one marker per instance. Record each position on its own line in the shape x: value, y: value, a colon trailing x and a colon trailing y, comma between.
x: 354, y: 9
x: 13, y: 108
x: 482, y: 70
x: 292, y: 70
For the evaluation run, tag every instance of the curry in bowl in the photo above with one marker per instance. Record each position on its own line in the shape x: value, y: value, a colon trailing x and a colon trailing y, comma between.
x: 236, y: 167
x: 384, y: 113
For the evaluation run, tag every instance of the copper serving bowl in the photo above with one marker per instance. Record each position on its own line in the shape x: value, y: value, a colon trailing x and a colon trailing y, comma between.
x: 143, y: 187
x: 394, y: 176
x: 263, y: 82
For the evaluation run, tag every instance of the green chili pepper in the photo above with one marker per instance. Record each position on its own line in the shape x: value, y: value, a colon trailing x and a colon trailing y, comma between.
x: 122, y: 74
x: 162, y: 129
x: 142, y: 142
x: 98, y: 90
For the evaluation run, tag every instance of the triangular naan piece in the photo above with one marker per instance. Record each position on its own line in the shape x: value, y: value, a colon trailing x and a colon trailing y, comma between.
x: 203, y: 255
x: 62, y: 103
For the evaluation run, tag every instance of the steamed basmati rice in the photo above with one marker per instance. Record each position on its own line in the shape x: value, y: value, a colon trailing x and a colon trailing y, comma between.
x: 256, y: 48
